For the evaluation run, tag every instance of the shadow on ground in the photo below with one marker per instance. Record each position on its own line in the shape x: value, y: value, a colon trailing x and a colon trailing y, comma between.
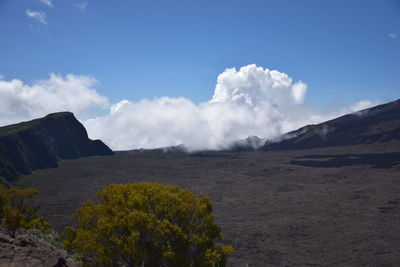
x: 381, y: 160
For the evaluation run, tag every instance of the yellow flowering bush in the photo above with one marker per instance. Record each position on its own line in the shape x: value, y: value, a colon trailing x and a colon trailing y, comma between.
x: 16, y: 211
x: 147, y: 224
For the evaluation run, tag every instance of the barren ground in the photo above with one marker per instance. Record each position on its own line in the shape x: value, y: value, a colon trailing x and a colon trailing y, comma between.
x: 322, y: 207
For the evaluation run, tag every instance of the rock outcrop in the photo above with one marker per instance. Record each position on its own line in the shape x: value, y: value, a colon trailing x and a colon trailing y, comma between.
x: 40, y: 143
x: 31, y: 252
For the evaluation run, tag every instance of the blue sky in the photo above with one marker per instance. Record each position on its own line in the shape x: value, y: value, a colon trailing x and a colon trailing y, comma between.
x: 143, y: 49
x: 198, y: 73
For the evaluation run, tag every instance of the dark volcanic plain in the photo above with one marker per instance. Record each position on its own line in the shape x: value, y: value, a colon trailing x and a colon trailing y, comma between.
x: 337, y: 206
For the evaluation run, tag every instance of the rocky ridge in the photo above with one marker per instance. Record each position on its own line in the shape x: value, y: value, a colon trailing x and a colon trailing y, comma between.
x: 41, y: 143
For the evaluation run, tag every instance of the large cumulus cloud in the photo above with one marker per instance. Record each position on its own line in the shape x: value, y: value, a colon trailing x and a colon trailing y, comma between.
x: 246, y: 102
x: 256, y: 86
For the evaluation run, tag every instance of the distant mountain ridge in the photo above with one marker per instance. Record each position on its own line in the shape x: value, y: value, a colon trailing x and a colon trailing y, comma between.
x: 40, y: 143
x: 374, y: 125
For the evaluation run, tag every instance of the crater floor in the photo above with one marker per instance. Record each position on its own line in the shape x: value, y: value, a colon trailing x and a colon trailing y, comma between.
x: 336, y: 206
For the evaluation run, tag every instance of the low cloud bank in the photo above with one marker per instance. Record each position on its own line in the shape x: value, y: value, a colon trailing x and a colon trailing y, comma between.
x: 75, y: 93
x: 250, y: 101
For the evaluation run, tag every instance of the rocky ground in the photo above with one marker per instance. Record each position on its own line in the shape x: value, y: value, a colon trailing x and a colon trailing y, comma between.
x: 27, y: 251
x: 336, y: 206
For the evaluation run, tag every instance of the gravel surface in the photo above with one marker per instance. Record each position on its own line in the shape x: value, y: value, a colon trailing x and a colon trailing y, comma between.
x: 336, y: 206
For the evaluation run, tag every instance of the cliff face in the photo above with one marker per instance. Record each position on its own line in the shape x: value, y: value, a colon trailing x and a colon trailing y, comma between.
x: 40, y: 143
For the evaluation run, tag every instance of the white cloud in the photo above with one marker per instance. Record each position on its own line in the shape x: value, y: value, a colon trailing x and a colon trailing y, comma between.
x: 246, y: 102
x: 19, y: 101
x: 38, y: 16
x: 393, y: 35
x: 1, y: 76
x: 254, y: 85
x: 47, y: 2
x: 82, y: 5
x: 360, y: 106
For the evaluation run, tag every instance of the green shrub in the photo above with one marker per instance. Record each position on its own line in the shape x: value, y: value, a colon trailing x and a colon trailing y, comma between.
x: 16, y: 212
x: 147, y: 224
x: 50, y: 236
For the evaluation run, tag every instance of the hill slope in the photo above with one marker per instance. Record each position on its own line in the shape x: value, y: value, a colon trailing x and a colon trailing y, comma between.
x: 375, y: 125
x: 40, y: 143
